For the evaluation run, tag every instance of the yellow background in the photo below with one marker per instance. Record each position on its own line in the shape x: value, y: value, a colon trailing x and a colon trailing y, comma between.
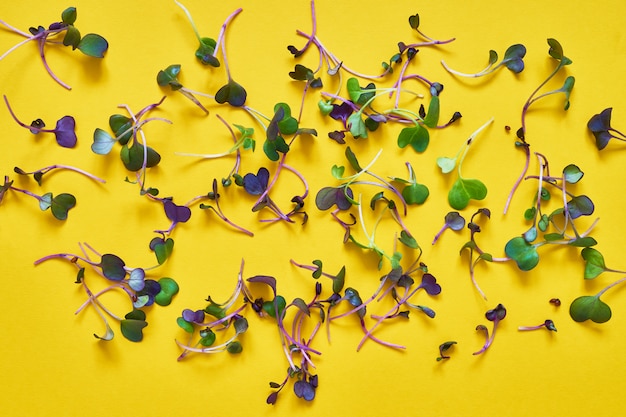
x: 51, y: 364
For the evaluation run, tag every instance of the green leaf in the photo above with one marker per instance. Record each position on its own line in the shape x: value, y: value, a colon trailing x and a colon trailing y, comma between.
x: 414, y: 21
x: 278, y: 304
x: 185, y: 325
x: 132, y: 326
x: 69, y: 16
x: 162, y: 248
x: 169, y: 76
x: 594, y: 262
x: 339, y: 280
x: 529, y: 214
x: 417, y: 136
x: 231, y: 93
x: 583, y: 242
x: 493, y: 57
x: 301, y: 73
x: 551, y: 237
x: 208, y: 337
x: 93, y: 45
x: 133, y: 157
x: 556, y: 50
x: 463, y: 190
x: 61, y: 204
x: 287, y: 125
x: 301, y: 304
x: 121, y: 124
x: 169, y: 288
x: 415, y: 193
x: 408, y: 240
x: 432, y: 117
x: 72, y: 37
x: 446, y: 164
x: 590, y: 307
x: 572, y: 174
x: 513, y: 58
x: 102, y: 142
x: 354, y: 89
x: 522, y: 252
x: 113, y: 267
x: 205, y: 51
x: 357, y: 126
x: 45, y: 201
x: 234, y: 347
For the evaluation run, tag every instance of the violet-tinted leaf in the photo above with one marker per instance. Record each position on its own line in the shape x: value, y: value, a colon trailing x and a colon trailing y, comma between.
x: 113, y: 267
x: 580, y: 206
x: 256, y: 184
x: 93, y: 45
x: 192, y: 316
x: 233, y: 93
x: 429, y: 284
x: 177, y: 214
x: 265, y: 279
x: 64, y: 132
x: 329, y: 196
x: 341, y: 112
x: 497, y: 313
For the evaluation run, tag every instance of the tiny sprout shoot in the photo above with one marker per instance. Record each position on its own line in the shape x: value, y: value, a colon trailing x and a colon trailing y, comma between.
x: 463, y: 190
x: 600, y: 127
x: 443, y: 348
x: 169, y: 77
x: 548, y: 325
x: 453, y: 221
x: 90, y: 44
x: 64, y: 132
x: 38, y: 174
x: 555, y: 302
x: 495, y: 315
x: 513, y: 60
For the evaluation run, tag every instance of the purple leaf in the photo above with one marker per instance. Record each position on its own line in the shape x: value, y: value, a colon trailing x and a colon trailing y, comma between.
x: 177, y: 214
x: 265, y: 279
x: 496, y: 314
x: 256, y: 184
x: 341, y: 112
x: 193, y: 316
x: 429, y: 284
x: 64, y: 132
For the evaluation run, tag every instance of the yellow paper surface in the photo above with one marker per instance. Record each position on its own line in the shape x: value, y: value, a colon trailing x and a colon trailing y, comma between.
x: 52, y: 365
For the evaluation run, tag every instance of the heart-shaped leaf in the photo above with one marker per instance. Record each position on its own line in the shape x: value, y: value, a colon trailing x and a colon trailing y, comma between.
x: 416, y: 136
x: 580, y: 206
x: 600, y: 125
x: 133, y: 324
x: 169, y: 76
x: 113, y: 267
x: 357, y: 126
x: 463, y: 190
x: 45, y: 201
x: 572, y: 174
x: 522, y: 252
x: 594, y: 262
x: 61, y: 204
x: 205, y: 51
x: 329, y: 196
x: 136, y: 279
x: 64, y: 132
x: 169, y: 288
x: 446, y: 164
x: 415, y: 193
x: 93, y: 45
x: 102, y: 142
x: 162, y: 248
x: 301, y: 73
x: 590, y: 307
x: 69, y: 16
x: 513, y: 58
x: 72, y: 37
x: 256, y: 184
x: 287, y: 125
x: 121, y: 127
x: 133, y: 157
x: 176, y: 213
x: 233, y: 93
x: 429, y: 284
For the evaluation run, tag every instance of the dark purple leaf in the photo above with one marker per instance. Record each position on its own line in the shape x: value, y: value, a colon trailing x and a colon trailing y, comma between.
x: 429, y: 284
x: 64, y: 132
x: 271, y: 399
x: 193, y: 316
x: 497, y: 313
x: 303, y: 389
x: 341, y: 112
x: 256, y: 184
x: 265, y: 279
x: 177, y: 214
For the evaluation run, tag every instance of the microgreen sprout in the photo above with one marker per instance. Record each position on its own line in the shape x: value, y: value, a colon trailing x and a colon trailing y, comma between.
x: 215, y: 197
x: 600, y: 127
x: 495, y: 315
x: 453, y: 221
x: 59, y: 204
x: 513, y: 60
x: 38, y: 174
x: 141, y: 291
x: 443, y: 348
x: 90, y: 44
x: 591, y: 307
x: 206, y: 324
x: 294, y: 343
x: 64, y: 132
x: 463, y: 190
x: 556, y: 52
x: 136, y: 155
x: 548, y: 324
x: 523, y: 249
x: 169, y: 77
